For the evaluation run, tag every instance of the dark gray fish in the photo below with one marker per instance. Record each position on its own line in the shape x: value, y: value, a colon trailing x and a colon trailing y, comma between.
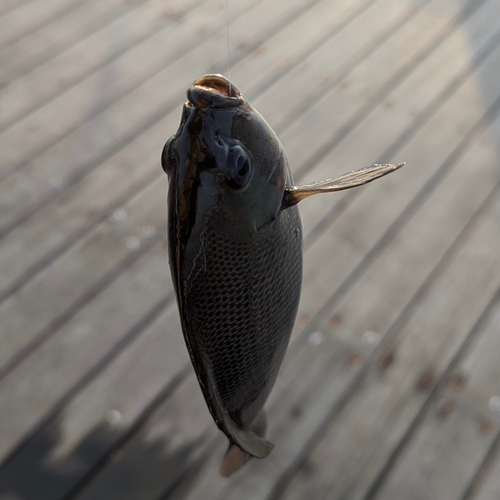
x: 235, y: 252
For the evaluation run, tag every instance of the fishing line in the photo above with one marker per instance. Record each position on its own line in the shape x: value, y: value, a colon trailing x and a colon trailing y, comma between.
x: 228, y: 46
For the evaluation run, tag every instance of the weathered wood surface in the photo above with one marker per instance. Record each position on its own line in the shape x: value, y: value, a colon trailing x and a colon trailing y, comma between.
x: 28, y: 16
x: 41, y: 45
x: 390, y: 386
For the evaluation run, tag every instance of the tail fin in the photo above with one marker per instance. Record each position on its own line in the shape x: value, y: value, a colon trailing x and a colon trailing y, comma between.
x: 245, y: 445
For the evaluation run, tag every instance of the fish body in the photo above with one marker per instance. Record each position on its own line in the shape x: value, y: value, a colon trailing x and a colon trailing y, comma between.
x: 235, y: 254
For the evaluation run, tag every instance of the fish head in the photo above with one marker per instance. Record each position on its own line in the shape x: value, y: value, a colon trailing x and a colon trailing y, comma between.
x: 224, y: 163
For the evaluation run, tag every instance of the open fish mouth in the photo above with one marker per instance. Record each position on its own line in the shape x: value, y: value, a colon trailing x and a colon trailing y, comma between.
x: 214, y: 91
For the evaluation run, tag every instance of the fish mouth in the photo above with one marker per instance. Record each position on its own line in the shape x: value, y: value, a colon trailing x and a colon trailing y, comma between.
x: 214, y: 91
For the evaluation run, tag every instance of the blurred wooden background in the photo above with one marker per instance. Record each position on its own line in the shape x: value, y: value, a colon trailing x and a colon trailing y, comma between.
x: 391, y: 386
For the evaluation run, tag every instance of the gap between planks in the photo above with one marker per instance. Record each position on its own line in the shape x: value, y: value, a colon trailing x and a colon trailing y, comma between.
x: 77, y: 177
x: 26, y: 15
x: 17, y: 285
x: 173, y: 100
x: 48, y: 258
x: 330, y: 419
x: 106, y: 23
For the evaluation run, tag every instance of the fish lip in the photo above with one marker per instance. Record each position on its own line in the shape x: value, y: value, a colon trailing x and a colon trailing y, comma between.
x: 214, y: 91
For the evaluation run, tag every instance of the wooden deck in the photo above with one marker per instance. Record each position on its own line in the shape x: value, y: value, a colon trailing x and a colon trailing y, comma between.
x: 391, y: 386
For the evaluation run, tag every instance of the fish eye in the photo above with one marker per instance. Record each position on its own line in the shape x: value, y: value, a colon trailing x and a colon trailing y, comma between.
x: 168, y: 160
x: 240, y: 167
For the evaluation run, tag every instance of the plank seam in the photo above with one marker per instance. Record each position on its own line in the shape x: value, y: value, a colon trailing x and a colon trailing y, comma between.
x: 415, y: 424
x: 386, y: 89
x: 344, y: 398
x: 483, y: 470
x: 300, y: 56
x: 72, y: 6
x: 142, y: 127
x: 378, y: 41
x: 75, y: 237
x: 14, y: 7
x: 109, y: 60
x: 416, y: 124
x: 190, y: 473
x: 91, y: 293
x: 130, y: 336
x: 22, y: 163
x: 160, y: 398
x: 82, y: 231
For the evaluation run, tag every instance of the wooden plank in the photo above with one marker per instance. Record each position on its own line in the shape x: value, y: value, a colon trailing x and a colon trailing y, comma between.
x: 88, y: 197
x: 29, y: 17
x: 366, y: 425
x: 487, y: 486
x: 411, y: 93
x: 333, y: 60
x: 358, y: 442
x: 57, y: 302
x: 141, y: 107
x: 399, y: 189
x: 60, y: 303
x: 442, y: 458
x: 36, y: 48
x: 299, y: 93
x: 368, y: 88
x: 38, y: 383
x: 148, y: 24
x: 8, y: 5
x: 476, y: 375
x: 470, y: 363
x: 206, y: 483
x: 146, y: 57
x: 57, y: 292
x: 167, y: 448
x: 474, y: 384
x: 85, y: 430
x: 151, y: 479
x: 95, y: 190
x: 324, y: 24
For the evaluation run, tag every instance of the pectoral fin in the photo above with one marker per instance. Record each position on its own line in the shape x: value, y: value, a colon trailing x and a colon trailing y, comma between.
x: 352, y: 179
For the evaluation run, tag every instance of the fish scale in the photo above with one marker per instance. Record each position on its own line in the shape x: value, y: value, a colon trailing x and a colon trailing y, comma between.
x: 242, y: 309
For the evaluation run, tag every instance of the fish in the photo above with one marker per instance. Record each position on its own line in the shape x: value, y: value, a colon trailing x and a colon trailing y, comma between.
x: 235, y: 254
